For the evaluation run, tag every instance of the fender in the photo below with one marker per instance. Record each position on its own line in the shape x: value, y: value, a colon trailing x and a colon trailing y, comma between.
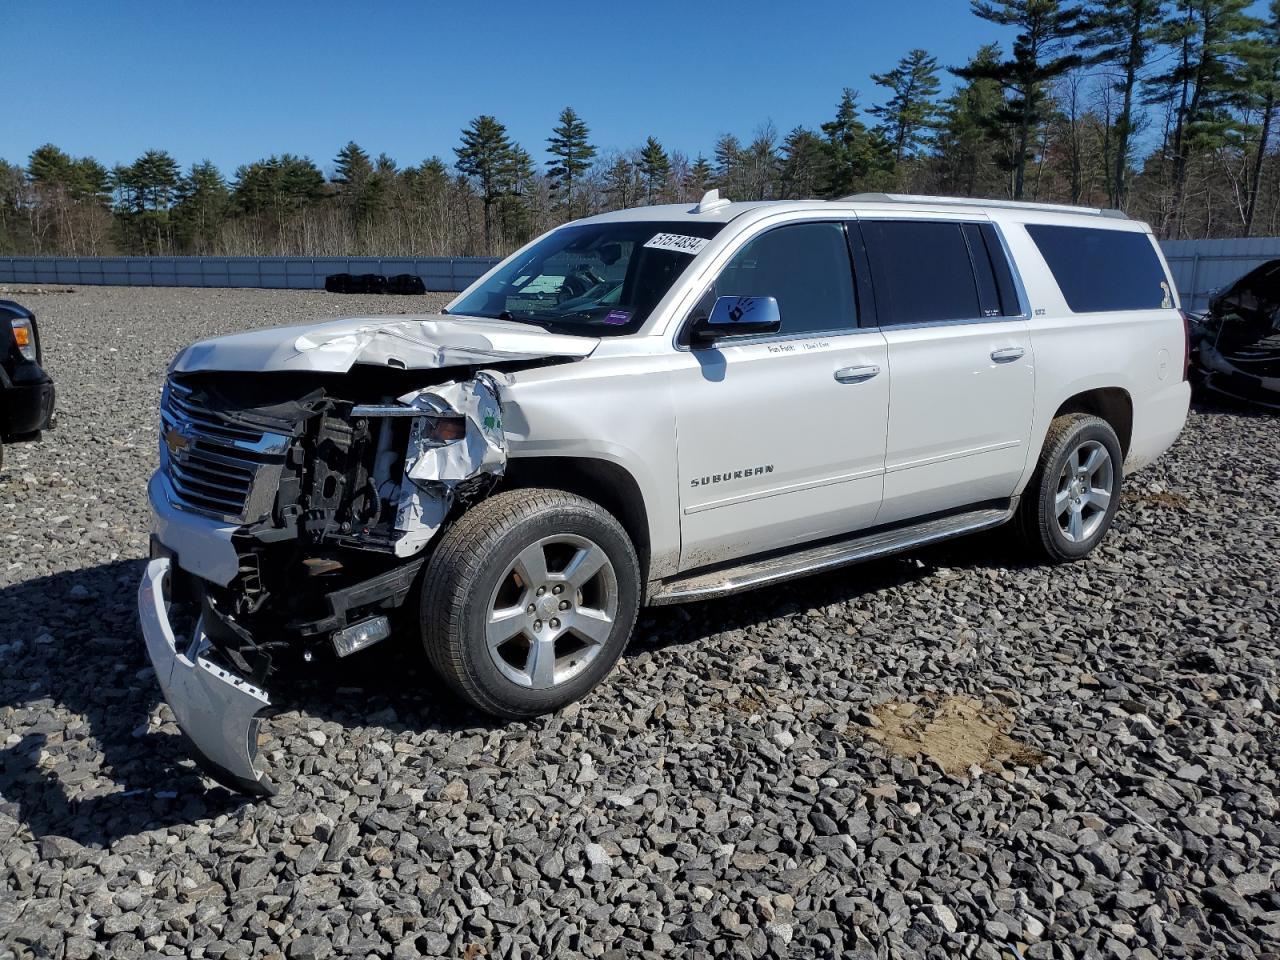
x: 601, y: 409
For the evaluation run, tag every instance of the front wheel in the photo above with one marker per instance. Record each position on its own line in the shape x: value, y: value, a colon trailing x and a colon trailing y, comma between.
x: 1071, y: 500
x: 529, y: 601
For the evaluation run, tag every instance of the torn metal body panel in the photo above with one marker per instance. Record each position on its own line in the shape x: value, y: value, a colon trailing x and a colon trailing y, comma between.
x: 1236, y: 345
x: 434, y: 469
x: 406, y: 343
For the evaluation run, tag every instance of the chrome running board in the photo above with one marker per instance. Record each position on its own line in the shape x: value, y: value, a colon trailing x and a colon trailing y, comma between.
x: 759, y: 572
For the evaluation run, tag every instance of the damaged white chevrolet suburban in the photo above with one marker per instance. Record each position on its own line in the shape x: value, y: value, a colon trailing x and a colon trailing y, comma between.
x: 650, y: 406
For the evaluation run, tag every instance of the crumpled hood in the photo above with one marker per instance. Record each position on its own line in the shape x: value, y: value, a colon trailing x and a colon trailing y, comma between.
x: 410, y: 343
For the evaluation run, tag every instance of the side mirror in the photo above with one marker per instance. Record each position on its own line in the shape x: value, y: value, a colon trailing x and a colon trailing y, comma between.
x: 737, y: 317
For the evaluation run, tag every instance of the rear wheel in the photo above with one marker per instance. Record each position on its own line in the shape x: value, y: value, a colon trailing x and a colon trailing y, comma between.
x: 529, y: 601
x: 1071, y: 500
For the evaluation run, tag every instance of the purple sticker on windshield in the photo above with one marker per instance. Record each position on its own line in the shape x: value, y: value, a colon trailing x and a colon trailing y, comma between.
x: 618, y: 317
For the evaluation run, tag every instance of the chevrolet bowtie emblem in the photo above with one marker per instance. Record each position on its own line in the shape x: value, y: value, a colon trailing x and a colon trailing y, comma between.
x: 176, y: 441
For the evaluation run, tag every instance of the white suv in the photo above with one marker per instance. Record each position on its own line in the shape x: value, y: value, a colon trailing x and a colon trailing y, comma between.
x: 650, y: 406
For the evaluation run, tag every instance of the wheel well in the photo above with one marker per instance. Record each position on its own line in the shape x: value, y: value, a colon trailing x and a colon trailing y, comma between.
x: 1112, y: 404
x: 606, y: 483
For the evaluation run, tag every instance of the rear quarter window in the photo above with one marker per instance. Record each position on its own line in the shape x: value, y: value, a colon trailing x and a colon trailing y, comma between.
x: 1103, y: 270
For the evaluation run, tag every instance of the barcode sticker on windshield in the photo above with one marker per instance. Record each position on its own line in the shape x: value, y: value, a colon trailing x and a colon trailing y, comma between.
x: 677, y: 242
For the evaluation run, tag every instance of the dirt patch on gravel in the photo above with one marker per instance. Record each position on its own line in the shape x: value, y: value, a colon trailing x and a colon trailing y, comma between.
x: 957, y: 733
x: 1158, y: 498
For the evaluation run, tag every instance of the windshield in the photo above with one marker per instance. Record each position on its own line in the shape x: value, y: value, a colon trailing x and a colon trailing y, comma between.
x: 598, y: 279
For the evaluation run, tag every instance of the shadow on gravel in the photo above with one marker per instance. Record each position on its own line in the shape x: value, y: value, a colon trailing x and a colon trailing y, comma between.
x: 691, y: 623
x: 1206, y: 402
x: 76, y: 690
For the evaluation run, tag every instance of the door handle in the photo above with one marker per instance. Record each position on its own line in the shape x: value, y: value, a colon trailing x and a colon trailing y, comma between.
x: 1007, y: 355
x: 856, y: 374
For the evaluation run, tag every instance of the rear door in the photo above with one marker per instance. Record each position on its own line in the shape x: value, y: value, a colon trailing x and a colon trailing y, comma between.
x: 960, y: 357
x: 781, y: 438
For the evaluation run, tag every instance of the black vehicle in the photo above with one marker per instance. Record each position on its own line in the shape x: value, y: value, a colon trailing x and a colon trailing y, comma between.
x: 1236, y: 344
x: 26, y: 392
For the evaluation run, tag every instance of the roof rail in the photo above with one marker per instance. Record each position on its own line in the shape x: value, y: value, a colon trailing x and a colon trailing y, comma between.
x: 972, y: 202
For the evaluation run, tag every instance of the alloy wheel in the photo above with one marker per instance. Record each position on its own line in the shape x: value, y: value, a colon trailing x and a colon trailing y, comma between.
x: 1085, y: 488
x: 552, y: 611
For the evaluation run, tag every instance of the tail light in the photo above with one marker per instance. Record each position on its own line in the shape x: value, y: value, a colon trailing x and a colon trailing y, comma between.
x: 1186, y: 345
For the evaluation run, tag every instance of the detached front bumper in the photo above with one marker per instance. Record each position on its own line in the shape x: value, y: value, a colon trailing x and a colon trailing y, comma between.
x: 217, y: 711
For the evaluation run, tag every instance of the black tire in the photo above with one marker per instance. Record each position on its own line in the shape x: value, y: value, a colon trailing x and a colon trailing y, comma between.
x: 1038, y: 520
x: 473, y: 562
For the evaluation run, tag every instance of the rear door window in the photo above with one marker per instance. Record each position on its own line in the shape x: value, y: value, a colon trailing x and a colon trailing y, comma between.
x: 806, y: 268
x: 924, y: 273
x: 1103, y: 270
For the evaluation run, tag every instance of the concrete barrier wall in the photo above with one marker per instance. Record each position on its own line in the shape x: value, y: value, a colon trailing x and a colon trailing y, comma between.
x: 444, y: 274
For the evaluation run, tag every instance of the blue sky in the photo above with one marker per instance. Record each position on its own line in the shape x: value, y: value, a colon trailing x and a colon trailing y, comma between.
x: 234, y: 81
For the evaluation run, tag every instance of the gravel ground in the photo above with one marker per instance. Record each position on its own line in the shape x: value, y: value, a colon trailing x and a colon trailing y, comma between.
x: 946, y: 755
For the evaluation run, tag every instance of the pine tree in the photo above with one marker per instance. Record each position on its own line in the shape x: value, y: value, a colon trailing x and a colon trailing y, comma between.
x: 485, y: 157
x: 352, y: 167
x: 276, y: 192
x: 618, y: 183
x: 67, y: 200
x: 518, y: 182
x: 654, y: 167
x: 966, y: 144
x: 14, y: 223
x: 1040, y: 55
x: 912, y: 109
x: 700, y: 175
x: 761, y: 163
x: 358, y: 189
x: 1121, y: 34
x: 1264, y: 74
x: 280, y: 185
x: 1207, y: 82
x: 49, y: 165
x: 855, y: 154
x: 157, y: 175
x: 728, y: 166
x: 90, y: 182
x: 203, y: 204
x: 151, y: 184
x: 804, y: 164
x: 571, y: 153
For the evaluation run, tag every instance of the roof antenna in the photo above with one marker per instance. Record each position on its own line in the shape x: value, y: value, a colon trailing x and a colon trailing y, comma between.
x: 711, y: 202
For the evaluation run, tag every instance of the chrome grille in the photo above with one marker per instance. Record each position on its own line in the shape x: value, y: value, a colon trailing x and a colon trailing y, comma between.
x: 215, y: 466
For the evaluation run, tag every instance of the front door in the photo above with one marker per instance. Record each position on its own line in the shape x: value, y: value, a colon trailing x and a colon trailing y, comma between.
x: 781, y: 439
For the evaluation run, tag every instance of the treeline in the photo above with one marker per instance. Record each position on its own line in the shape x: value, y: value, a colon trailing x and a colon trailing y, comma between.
x: 1164, y: 108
